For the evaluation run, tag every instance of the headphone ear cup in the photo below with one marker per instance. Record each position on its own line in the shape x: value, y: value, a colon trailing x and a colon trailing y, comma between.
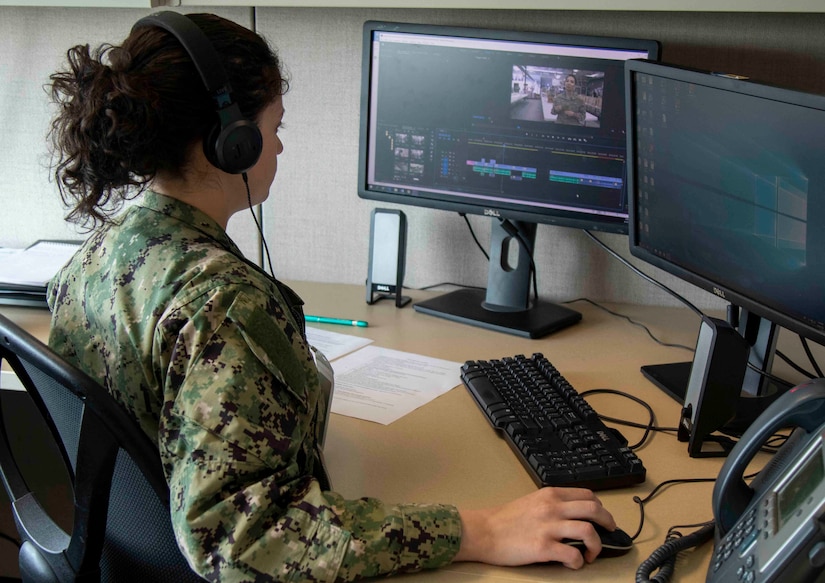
x: 234, y: 145
x: 209, y: 144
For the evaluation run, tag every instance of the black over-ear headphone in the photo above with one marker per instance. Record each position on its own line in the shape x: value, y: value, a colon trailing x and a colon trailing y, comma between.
x: 234, y: 143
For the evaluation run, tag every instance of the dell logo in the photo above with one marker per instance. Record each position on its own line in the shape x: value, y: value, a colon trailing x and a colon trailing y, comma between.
x: 383, y: 288
x: 491, y: 213
x: 719, y: 292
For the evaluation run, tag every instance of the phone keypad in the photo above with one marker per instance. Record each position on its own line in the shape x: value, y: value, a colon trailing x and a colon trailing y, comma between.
x: 739, y: 542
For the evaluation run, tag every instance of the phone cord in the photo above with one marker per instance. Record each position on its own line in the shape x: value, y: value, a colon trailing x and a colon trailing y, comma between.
x: 664, y: 558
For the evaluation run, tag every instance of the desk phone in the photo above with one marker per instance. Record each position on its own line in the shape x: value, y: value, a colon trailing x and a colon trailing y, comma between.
x: 774, y: 528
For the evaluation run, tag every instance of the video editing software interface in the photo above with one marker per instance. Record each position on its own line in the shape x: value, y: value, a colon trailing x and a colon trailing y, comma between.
x: 731, y: 186
x: 500, y: 123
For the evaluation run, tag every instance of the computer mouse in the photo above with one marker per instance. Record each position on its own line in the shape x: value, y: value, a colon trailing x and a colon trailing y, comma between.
x: 614, y: 544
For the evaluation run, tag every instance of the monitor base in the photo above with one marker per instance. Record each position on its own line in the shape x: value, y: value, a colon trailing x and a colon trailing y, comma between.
x: 672, y: 378
x: 465, y: 306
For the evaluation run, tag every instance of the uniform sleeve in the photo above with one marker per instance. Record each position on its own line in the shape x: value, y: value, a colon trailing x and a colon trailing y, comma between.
x: 237, y: 440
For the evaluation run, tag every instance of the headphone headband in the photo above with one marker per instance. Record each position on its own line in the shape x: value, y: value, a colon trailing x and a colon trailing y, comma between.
x: 234, y: 144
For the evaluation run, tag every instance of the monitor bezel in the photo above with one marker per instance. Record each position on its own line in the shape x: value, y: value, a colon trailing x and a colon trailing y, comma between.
x: 498, y: 210
x: 726, y: 82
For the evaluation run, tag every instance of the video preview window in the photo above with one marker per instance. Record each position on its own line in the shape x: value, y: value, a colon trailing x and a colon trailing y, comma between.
x: 560, y: 96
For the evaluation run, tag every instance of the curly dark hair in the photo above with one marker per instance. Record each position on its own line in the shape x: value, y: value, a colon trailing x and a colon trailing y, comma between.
x: 126, y: 113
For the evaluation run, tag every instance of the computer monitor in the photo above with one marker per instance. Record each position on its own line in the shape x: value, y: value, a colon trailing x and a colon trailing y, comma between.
x: 726, y: 181
x: 522, y: 127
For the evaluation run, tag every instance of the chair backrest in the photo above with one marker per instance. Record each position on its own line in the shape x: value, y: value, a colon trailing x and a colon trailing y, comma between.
x: 121, y: 529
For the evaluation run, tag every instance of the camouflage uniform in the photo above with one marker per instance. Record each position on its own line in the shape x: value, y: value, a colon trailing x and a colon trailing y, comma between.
x: 563, y: 102
x: 209, y: 354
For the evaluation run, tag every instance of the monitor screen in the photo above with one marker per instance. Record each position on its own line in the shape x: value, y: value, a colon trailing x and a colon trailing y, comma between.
x: 727, y: 187
x: 527, y: 127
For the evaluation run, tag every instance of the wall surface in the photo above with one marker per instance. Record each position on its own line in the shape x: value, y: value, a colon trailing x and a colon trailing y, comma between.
x: 33, y: 44
x: 316, y: 226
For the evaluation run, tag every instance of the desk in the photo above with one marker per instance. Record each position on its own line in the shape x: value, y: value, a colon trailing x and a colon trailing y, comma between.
x: 446, y: 451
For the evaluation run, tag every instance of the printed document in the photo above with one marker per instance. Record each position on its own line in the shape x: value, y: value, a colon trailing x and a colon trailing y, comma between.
x: 382, y: 385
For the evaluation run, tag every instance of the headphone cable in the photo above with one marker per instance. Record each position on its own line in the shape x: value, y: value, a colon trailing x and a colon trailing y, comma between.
x: 257, y: 224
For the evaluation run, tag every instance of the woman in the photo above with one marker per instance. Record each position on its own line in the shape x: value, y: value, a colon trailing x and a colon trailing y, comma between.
x: 568, y: 107
x: 209, y: 353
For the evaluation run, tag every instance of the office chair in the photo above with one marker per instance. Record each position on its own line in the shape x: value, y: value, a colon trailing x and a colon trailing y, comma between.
x: 121, y: 529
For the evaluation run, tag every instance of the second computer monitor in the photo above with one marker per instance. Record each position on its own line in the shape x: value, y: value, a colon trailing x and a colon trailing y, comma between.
x: 727, y: 191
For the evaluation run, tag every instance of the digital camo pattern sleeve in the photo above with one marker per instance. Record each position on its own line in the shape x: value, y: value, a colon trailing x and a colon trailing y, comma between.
x: 238, y: 442
x: 569, y: 109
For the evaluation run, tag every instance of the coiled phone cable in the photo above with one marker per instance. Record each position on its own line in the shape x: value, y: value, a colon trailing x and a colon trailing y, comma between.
x: 663, y: 559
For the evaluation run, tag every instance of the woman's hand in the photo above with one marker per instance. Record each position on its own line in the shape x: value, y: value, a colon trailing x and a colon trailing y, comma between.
x: 530, y: 529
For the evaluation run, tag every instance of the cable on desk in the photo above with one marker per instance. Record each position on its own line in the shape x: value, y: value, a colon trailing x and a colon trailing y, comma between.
x: 649, y: 427
x: 642, y: 501
x: 632, y: 321
x: 663, y: 559
x: 655, y: 491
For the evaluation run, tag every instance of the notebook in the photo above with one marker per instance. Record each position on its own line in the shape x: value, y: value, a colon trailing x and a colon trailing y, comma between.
x: 24, y: 273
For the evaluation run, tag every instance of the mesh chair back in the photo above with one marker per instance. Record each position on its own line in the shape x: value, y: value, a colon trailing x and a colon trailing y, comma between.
x: 122, y: 528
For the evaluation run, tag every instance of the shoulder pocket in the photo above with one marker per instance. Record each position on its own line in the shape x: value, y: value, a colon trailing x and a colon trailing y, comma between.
x: 269, y: 342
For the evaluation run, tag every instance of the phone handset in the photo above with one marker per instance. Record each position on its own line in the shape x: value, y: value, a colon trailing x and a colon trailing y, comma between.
x: 802, y: 406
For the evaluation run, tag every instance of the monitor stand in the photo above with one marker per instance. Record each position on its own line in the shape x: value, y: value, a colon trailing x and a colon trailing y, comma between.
x: 505, y: 305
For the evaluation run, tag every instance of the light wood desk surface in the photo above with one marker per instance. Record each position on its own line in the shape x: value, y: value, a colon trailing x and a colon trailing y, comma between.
x: 446, y: 451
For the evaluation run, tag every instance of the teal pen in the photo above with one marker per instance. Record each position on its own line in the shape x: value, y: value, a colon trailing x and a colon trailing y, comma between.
x: 342, y: 321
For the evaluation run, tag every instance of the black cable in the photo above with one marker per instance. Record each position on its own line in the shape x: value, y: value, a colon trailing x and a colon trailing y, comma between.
x: 632, y: 321
x: 810, y: 355
x: 663, y: 559
x: 701, y: 314
x: 443, y: 283
x: 774, y: 378
x: 662, y: 485
x: 651, y: 425
x: 642, y: 501
x: 473, y: 234
x: 10, y: 539
x: 793, y: 365
x: 257, y: 224
x: 513, y: 231
x: 645, y: 276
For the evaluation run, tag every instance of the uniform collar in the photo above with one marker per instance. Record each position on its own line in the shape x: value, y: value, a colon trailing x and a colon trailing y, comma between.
x: 189, y: 215
x: 200, y: 221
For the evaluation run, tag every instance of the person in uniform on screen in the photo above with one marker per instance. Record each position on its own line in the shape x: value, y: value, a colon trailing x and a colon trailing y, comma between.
x: 568, y: 107
x: 209, y: 353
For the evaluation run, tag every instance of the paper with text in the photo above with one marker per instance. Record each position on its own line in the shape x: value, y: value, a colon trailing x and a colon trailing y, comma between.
x: 382, y: 385
x: 334, y: 344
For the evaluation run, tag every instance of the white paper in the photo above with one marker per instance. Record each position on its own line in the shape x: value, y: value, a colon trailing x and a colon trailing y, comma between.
x: 37, y: 265
x: 333, y: 344
x: 382, y: 385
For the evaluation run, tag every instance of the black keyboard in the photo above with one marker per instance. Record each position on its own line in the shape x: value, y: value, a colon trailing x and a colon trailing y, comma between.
x: 555, y: 433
